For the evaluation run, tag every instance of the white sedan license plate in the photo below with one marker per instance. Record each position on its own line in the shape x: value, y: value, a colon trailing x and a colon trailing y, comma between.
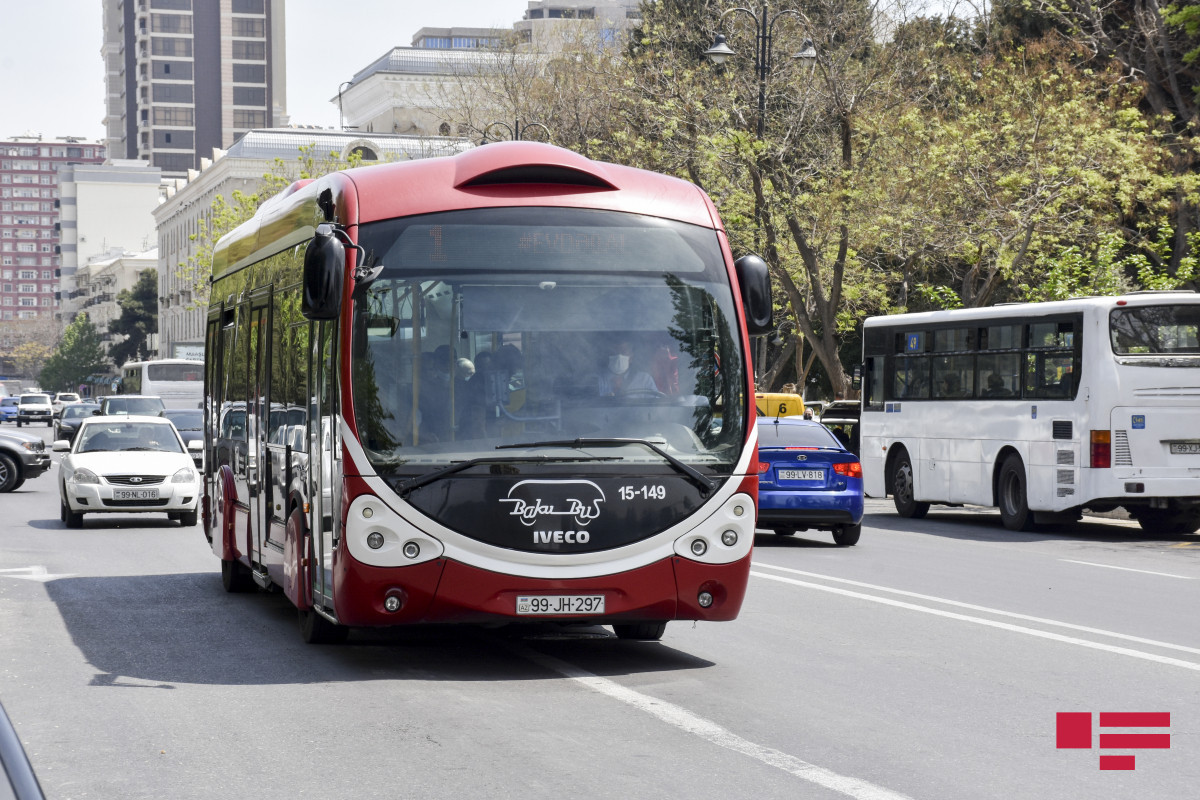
x: 1185, y: 448
x: 135, y: 494
x: 801, y: 474
x: 536, y: 604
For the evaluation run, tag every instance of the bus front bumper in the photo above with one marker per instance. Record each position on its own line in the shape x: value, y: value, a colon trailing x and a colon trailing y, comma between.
x: 446, y: 591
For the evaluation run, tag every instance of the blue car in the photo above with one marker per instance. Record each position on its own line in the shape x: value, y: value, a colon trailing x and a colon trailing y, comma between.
x: 8, y: 408
x: 807, y: 479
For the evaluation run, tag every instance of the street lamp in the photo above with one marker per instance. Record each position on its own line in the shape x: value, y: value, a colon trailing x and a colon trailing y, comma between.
x: 764, y: 24
x: 516, y: 131
x: 341, y: 116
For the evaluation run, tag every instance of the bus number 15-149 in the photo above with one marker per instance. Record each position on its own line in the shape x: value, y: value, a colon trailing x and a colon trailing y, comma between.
x: 644, y: 492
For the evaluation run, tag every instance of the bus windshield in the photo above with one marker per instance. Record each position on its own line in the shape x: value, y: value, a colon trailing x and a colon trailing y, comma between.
x: 494, y: 327
x: 1156, y: 330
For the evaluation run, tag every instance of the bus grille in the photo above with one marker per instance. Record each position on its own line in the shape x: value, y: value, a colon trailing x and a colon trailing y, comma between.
x: 1121, y: 455
x: 1066, y: 458
x: 1066, y: 476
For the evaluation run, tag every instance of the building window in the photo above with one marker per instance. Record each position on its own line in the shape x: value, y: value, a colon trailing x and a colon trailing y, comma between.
x: 180, y: 117
x: 249, y: 27
x: 249, y: 73
x: 165, y: 46
x: 172, y: 93
x: 243, y: 118
x: 248, y: 6
x: 249, y: 51
x: 249, y: 96
x: 171, y: 23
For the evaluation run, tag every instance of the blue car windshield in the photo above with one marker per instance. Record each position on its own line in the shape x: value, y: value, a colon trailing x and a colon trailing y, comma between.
x: 781, y: 434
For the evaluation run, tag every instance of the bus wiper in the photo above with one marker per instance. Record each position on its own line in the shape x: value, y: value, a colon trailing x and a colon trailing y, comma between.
x: 699, y: 478
x: 421, y: 480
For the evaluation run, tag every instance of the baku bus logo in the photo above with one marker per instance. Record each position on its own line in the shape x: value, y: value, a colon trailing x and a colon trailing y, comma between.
x: 579, y: 500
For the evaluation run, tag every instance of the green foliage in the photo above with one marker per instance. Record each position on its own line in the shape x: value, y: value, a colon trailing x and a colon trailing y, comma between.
x: 80, y: 354
x: 139, y: 318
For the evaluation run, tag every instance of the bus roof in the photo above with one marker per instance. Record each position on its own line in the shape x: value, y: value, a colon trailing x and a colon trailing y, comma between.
x: 1043, y: 309
x: 496, y: 175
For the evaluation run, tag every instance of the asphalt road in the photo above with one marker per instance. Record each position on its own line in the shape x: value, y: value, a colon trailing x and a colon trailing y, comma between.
x: 929, y: 662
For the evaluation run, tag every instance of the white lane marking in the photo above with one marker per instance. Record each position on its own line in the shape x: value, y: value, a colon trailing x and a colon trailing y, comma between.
x: 1057, y: 637
x: 696, y: 725
x: 35, y: 573
x: 1129, y: 569
x: 1040, y: 620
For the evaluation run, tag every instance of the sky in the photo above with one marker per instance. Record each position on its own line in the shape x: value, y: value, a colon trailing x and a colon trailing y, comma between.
x: 52, y: 75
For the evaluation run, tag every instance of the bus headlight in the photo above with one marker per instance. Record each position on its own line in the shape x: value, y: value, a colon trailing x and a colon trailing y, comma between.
x: 374, y: 540
x: 699, y: 547
x: 729, y: 538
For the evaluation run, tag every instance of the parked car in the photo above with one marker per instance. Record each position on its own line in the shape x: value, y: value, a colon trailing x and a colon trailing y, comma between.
x: 8, y: 408
x: 841, y: 417
x: 139, y: 404
x: 125, y: 465
x: 61, y: 399
x: 22, y: 456
x: 67, y: 424
x: 807, y: 479
x: 35, y: 408
x: 190, y: 424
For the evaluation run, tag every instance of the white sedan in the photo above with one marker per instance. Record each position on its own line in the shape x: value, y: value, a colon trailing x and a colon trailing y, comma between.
x: 124, y: 465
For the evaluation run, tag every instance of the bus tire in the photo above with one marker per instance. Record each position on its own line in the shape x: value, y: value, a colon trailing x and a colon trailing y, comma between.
x: 847, y: 535
x: 235, y: 577
x: 315, y: 629
x: 1012, y: 496
x: 1169, y: 520
x: 641, y: 631
x: 903, y: 489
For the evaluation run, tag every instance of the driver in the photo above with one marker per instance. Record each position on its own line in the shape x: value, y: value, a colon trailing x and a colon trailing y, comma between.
x: 620, y: 375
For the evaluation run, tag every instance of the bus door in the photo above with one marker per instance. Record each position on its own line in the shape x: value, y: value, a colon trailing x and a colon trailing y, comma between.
x: 325, y: 485
x: 258, y: 479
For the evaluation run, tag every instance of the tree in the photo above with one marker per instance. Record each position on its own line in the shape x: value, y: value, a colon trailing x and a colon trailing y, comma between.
x: 29, y: 357
x: 80, y: 354
x: 139, y: 318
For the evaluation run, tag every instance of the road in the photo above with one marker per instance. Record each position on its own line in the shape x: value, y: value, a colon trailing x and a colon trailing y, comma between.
x: 928, y: 662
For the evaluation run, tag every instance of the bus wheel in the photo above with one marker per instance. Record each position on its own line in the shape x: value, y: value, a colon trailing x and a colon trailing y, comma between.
x: 903, y: 489
x: 641, y: 631
x: 847, y: 535
x: 315, y: 629
x: 1014, y: 502
x: 1169, y: 520
x: 235, y: 577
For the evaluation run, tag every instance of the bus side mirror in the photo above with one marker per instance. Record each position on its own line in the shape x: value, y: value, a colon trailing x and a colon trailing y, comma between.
x: 324, y: 271
x: 755, y: 280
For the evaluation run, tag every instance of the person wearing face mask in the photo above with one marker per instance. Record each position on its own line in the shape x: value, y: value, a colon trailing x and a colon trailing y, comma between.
x: 619, y: 376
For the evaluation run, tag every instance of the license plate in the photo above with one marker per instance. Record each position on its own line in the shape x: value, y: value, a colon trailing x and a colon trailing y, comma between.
x: 135, y: 494
x: 801, y: 474
x: 537, y: 604
x: 1185, y: 448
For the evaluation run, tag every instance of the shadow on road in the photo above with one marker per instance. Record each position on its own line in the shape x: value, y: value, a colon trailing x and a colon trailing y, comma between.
x: 980, y: 525
x: 153, y: 631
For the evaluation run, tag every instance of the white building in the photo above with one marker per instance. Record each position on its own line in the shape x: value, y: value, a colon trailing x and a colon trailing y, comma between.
x: 105, y: 207
x: 182, y: 288
x: 104, y: 277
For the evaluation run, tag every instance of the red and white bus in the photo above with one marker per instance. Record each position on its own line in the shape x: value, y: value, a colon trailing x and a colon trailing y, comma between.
x: 508, y: 385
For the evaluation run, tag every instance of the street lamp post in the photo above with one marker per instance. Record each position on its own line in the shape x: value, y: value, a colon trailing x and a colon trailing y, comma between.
x: 342, y: 116
x: 764, y: 25
x: 516, y: 131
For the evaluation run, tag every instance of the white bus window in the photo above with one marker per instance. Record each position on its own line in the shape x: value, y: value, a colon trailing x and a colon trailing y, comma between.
x: 911, y: 380
x: 951, y: 340
x: 1001, y: 337
x: 953, y: 377
x: 1000, y: 375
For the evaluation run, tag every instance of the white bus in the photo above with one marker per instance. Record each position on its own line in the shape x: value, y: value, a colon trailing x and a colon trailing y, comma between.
x: 179, y: 382
x: 1039, y: 409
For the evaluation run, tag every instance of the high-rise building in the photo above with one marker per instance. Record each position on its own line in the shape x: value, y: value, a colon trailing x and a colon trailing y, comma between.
x: 187, y: 76
x: 31, y: 221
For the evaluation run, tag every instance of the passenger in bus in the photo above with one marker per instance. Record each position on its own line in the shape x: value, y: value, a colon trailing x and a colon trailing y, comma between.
x: 619, y: 375
x: 995, y: 387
